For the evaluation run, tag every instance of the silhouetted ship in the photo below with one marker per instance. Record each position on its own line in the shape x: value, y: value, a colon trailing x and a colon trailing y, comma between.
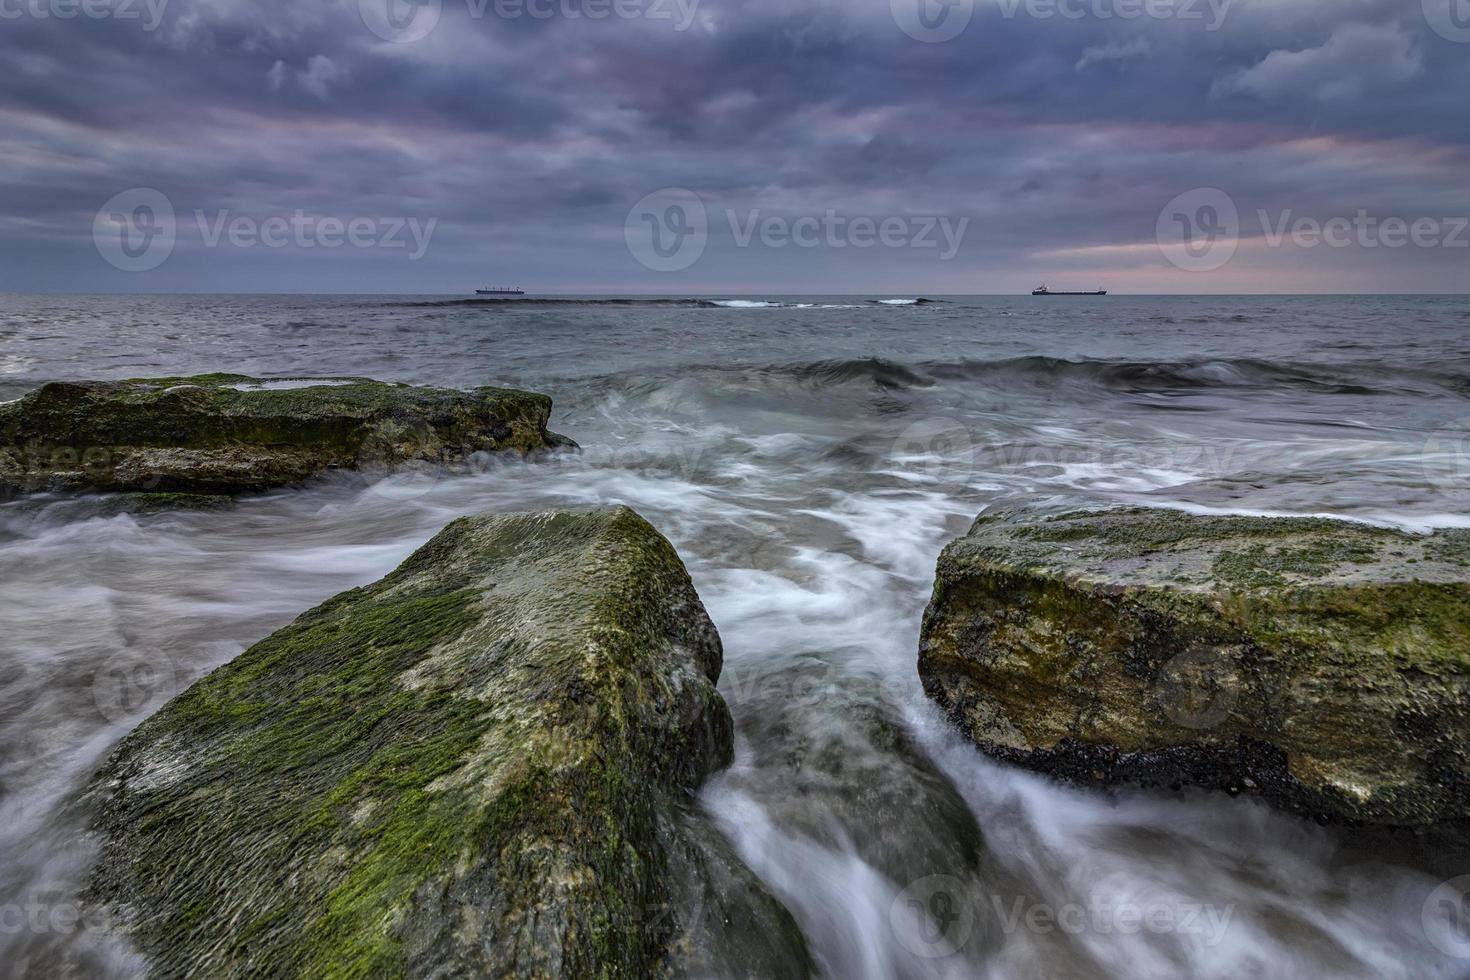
x: 1042, y: 290
x: 500, y: 291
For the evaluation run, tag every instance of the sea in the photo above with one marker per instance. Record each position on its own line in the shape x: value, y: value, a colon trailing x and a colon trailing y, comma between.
x: 809, y: 457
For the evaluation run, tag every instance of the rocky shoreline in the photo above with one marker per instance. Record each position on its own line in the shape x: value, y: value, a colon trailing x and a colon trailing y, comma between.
x: 487, y: 762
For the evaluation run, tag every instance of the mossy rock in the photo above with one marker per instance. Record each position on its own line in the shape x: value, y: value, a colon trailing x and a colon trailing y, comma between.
x: 1322, y: 665
x: 228, y: 433
x: 482, y: 765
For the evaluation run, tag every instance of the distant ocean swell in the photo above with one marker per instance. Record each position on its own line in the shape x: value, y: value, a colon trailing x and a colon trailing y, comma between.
x: 1119, y: 377
x: 674, y: 302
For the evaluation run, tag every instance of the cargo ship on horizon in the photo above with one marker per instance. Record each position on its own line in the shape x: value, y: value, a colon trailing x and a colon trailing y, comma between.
x: 1043, y: 290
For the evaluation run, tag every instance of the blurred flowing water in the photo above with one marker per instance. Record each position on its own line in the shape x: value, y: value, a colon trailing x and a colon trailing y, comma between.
x: 809, y: 457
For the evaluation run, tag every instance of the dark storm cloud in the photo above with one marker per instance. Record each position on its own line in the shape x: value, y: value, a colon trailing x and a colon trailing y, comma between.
x: 530, y: 137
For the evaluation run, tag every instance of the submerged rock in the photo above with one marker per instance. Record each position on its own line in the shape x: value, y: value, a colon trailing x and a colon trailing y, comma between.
x: 483, y: 764
x: 843, y: 811
x: 829, y: 757
x: 85, y: 506
x: 227, y: 433
x: 1322, y: 665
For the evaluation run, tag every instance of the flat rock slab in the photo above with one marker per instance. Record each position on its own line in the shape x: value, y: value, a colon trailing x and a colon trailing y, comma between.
x: 1322, y: 664
x: 481, y: 765
x: 227, y: 433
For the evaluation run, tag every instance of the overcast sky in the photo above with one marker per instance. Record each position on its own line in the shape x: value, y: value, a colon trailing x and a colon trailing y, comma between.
x: 734, y: 146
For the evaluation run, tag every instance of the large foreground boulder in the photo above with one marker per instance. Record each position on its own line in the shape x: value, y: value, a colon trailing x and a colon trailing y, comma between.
x: 1321, y: 664
x: 226, y: 433
x: 481, y: 765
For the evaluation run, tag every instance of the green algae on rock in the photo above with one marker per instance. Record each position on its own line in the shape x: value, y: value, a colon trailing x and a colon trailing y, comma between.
x: 483, y: 764
x: 228, y: 433
x: 1321, y: 664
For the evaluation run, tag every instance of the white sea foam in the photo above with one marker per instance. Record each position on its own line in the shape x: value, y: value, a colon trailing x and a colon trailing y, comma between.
x: 16, y: 363
x: 762, y: 304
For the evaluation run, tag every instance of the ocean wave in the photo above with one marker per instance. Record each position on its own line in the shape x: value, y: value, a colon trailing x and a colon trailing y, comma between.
x: 870, y: 370
x: 696, y: 381
x: 1059, y: 374
x: 1051, y: 373
x: 1138, y: 377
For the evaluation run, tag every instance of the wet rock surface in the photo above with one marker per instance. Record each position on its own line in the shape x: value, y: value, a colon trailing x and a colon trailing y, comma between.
x: 483, y: 764
x: 225, y: 433
x: 1322, y: 665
